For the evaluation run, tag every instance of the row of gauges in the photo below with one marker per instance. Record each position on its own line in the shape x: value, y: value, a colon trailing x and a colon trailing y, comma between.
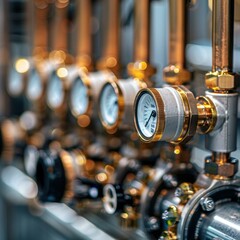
x: 153, y: 185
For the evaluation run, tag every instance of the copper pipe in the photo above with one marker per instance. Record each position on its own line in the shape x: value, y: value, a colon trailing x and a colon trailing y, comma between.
x: 177, y: 32
x: 222, y: 39
x: 40, y: 29
x: 141, y: 30
x: 59, y: 27
x: 112, y: 23
x: 84, y: 42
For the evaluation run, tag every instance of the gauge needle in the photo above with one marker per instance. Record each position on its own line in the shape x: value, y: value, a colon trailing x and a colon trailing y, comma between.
x: 153, y: 114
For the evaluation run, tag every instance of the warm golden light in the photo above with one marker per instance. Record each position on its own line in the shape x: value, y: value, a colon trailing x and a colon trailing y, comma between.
x: 22, y: 65
x: 101, y: 177
x: 142, y: 65
x: 62, y: 72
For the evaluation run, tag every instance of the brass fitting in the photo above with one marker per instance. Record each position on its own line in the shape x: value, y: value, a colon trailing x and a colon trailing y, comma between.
x: 110, y: 63
x: 221, y: 80
x: 207, y: 114
x: 175, y: 75
x: 221, y: 168
x: 171, y: 215
x: 168, y: 235
x: 129, y: 218
x: 141, y: 70
x: 185, y: 191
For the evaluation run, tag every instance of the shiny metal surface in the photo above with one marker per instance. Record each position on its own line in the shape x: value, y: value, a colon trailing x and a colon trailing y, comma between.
x: 222, y: 223
x: 142, y: 31
x: 222, y: 40
x: 224, y: 139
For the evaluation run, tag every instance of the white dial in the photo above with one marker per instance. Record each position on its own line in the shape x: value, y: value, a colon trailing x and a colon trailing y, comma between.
x: 34, y: 87
x: 15, y: 82
x: 31, y: 156
x: 109, y: 105
x: 79, y: 99
x: 146, y: 115
x: 55, y: 92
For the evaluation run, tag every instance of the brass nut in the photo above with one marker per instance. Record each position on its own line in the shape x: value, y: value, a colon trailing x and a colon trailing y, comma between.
x: 221, y: 80
x: 226, y: 169
x: 141, y: 70
x: 176, y: 76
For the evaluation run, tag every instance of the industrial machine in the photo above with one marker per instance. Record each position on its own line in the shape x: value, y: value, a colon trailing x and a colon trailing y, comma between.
x: 119, y: 119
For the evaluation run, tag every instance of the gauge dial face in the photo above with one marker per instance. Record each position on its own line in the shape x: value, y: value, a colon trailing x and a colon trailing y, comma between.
x: 15, y: 82
x: 109, y: 105
x: 34, y: 87
x: 146, y: 115
x: 55, y: 92
x: 31, y: 155
x: 79, y: 97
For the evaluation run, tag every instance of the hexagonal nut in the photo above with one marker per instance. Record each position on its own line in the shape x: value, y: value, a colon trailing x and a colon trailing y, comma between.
x: 228, y: 169
x: 221, y: 80
x: 176, y: 76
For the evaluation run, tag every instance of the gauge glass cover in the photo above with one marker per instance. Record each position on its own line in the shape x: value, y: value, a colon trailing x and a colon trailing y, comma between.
x: 15, y: 82
x: 79, y: 97
x: 31, y: 155
x: 34, y: 87
x: 109, y: 105
x: 55, y: 93
x: 146, y: 115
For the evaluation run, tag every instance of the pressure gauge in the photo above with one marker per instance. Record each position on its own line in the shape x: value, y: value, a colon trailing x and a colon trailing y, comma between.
x: 116, y: 103
x: 109, y: 105
x: 31, y: 155
x: 147, y: 115
x: 34, y: 86
x: 167, y: 114
x: 55, y: 92
x: 79, y: 97
x: 15, y: 84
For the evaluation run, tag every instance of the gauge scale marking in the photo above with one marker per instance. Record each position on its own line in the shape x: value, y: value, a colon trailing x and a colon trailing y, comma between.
x: 146, y: 115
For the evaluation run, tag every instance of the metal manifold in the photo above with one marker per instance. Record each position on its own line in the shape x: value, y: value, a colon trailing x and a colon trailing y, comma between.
x: 96, y: 144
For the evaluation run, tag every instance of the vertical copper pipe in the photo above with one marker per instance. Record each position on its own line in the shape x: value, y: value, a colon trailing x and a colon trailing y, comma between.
x: 40, y: 29
x: 141, y: 30
x: 111, y: 45
x: 84, y: 42
x: 177, y: 32
x: 222, y: 39
x: 59, y: 27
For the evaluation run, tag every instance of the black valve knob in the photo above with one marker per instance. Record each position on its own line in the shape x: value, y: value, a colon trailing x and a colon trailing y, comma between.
x: 115, y: 198
x: 85, y: 188
x: 50, y: 177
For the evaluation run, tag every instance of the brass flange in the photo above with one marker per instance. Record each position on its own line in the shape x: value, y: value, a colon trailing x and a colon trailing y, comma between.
x: 175, y: 75
x: 207, y: 114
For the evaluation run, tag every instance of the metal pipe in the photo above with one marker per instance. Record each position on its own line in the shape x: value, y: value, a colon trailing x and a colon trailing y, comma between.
x: 177, y: 33
x: 40, y: 29
x: 111, y: 46
x: 84, y: 42
x: 59, y: 27
x: 222, y: 39
x: 141, y: 30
